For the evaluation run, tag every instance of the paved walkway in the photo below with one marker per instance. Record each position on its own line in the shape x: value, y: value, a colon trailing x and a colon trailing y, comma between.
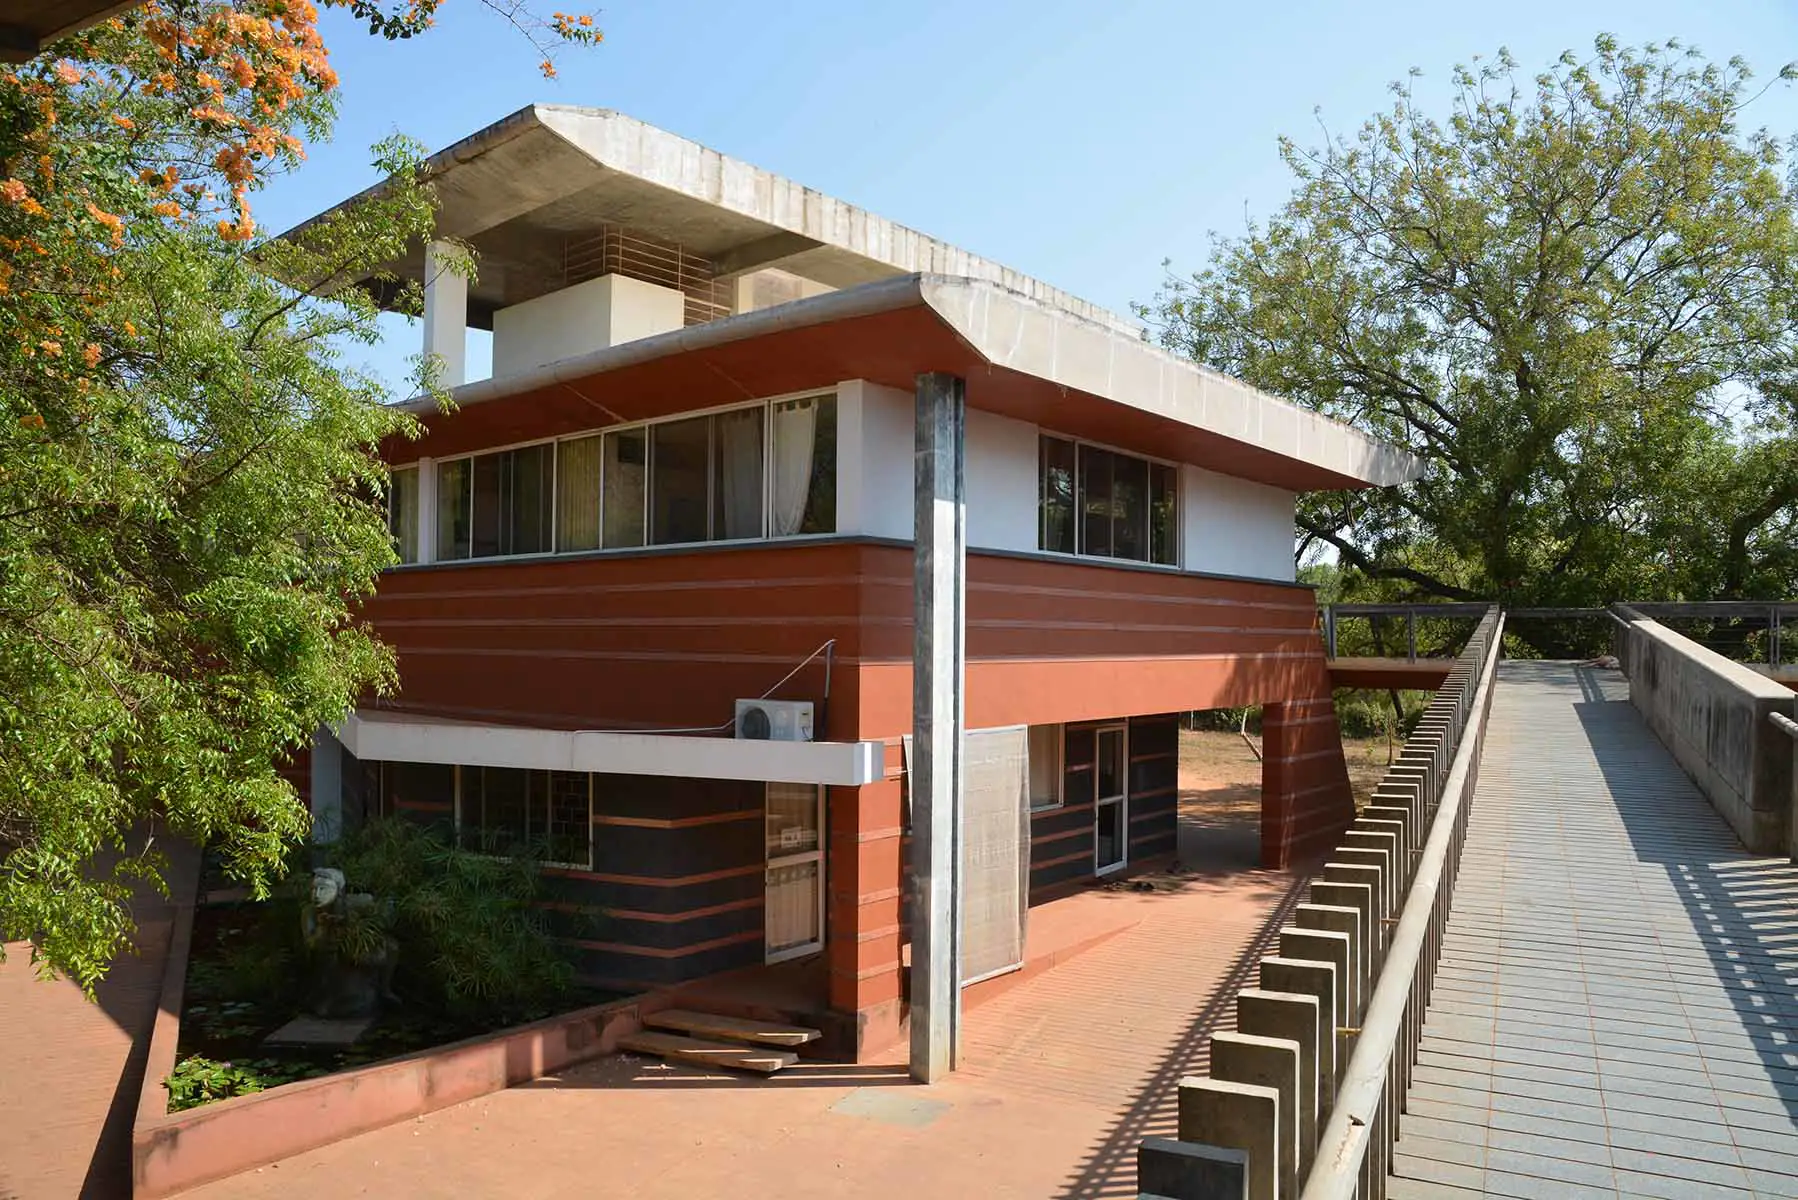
x: 1064, y: 1073
x: 1617, y: 1008
x: 72, y: 1068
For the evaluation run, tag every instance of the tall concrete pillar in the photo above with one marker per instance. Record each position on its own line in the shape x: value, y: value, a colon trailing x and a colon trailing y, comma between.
x: 446, y: 315
x: 938, y: 662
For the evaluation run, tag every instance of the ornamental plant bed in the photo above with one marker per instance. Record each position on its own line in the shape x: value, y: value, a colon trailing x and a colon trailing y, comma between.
x: 474, y: 955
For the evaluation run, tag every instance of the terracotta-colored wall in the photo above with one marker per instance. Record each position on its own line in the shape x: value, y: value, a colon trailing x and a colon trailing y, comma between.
x: 1058, y: 641
x: 670, y: 640
x: 651, y: 641
x: 1306, y: 800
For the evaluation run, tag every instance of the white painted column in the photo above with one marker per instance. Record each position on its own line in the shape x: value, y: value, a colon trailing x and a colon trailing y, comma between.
x: 446, y: 315
x: 938, y: 664
x: 427, y: 510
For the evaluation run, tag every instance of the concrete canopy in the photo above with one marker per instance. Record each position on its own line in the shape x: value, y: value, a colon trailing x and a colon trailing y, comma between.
x: 27, y: 26
x: 1020, y: 357
x: 520, y: 188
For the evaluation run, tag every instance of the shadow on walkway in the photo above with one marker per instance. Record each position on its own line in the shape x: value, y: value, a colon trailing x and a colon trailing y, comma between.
x: 1743, y: 909
x: 1109, y: 1168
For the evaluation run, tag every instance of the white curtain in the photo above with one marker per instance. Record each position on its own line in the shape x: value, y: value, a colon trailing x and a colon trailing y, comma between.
x: 740, y: 466
x: 795, y: 431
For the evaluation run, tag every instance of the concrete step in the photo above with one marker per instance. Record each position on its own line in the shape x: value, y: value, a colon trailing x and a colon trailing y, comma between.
x: 703, y: 1053
x: 731, y: 1029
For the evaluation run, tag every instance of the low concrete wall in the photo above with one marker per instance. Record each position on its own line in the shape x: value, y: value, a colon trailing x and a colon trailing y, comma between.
x: 1712, y: 714
x: 172, y: 1152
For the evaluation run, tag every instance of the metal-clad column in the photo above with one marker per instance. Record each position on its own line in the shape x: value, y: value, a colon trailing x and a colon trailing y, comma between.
x: 938, y: 662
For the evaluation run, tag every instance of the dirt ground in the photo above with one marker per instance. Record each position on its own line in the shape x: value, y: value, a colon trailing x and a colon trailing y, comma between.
x: 1220, y: 795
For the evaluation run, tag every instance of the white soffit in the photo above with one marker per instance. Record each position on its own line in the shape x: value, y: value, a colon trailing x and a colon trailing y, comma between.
x: 1015, y: 332
x: 389, y: 737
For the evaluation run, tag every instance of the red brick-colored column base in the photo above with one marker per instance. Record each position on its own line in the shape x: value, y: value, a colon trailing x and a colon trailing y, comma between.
x: 1306, y: 801
x: 862, y: 920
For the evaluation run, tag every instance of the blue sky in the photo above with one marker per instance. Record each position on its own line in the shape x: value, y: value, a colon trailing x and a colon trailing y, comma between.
x: 1081, y: 143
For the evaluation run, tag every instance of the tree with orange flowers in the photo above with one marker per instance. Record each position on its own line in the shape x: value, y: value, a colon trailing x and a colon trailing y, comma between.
x: 191, y: 499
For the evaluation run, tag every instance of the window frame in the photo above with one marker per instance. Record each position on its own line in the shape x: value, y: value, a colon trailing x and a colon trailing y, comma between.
x: 766, y: 404
x: 1080, y: 552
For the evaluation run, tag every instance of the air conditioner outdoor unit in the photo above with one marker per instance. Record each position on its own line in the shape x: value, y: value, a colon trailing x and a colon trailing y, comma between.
x: 775, y: 720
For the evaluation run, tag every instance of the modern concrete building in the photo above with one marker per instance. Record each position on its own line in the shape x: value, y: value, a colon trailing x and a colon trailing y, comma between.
x: 691, y: 482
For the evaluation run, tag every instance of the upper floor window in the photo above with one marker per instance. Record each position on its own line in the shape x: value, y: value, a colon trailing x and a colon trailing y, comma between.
x: 1105, y: 503
x: 766, y: 470
x: 494, y: 504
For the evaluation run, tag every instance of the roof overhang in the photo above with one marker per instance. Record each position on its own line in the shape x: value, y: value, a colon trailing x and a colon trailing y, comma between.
x: 27, y: 26
x: 1020, y: 357
x: 519, y: 189
x: 388, y: 737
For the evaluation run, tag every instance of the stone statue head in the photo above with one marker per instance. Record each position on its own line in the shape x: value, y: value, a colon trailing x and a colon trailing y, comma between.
x: 327, y: 885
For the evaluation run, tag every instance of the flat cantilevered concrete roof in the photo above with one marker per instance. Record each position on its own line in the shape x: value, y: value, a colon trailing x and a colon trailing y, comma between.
x: 520, y: 188
x: 1021, y: 358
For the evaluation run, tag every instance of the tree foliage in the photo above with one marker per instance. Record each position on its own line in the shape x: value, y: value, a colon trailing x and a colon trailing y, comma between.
x: 1573, y: 298
x: 191, y: 498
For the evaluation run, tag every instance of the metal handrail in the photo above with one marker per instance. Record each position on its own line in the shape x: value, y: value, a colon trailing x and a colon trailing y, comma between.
x: 1784, y: 724
x: 1345, y: 1140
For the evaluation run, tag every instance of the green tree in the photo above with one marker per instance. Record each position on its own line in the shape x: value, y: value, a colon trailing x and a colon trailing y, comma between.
x: 192, y: 502
x: 1574, y: 298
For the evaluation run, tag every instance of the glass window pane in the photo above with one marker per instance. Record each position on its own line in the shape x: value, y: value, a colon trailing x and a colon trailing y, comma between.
x: 423, y: 787
x: 792, y: 819
x: 489, y: 505
x: 737, y: 475
x: 678, y: 493
x: 1130, y: 507
x: 454, y: 521
x: 402, y: 513
x: 530, y: 499
x: 1108, y: 833
x: 1096, y: 502
x: 1164, y: 510
x: 1055, y: 493
x: 1045, y: 766
x: 495, y: 808
x: 626, y: 457
x: 568, y: 830
x: 577, y: 494
x: 1109, y: 769
x: 805, y: 467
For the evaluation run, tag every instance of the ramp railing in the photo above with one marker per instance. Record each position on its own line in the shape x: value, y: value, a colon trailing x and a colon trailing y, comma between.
x: 1304, y: 1095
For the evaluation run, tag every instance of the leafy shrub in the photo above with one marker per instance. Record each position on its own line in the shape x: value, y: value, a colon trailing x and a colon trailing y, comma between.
x: 197, y: 1080
x: 472, y: 943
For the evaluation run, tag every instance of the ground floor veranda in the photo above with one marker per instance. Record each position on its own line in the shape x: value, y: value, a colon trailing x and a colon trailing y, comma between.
x: 1066, y: 1066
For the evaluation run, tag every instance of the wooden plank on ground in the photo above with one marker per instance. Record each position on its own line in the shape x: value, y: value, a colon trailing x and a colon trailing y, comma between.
x: 731, y: 1029
x: 702, y: 1053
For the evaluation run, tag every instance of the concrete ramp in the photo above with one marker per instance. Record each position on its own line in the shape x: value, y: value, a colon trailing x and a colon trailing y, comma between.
x: 1616, y: 1012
